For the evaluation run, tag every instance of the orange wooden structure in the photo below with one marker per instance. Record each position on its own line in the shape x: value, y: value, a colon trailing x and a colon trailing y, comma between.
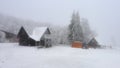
x: 77, y: 44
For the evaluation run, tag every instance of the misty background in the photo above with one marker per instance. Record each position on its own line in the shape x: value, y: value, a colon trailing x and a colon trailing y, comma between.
x: 103, y: 15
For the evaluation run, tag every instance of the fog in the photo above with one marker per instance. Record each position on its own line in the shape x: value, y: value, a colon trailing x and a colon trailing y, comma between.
x: 103, y: 15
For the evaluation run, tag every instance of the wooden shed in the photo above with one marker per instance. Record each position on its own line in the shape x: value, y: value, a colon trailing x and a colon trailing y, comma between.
x: 77, y: 44
x: 9, y: 36
x: 93, y: 43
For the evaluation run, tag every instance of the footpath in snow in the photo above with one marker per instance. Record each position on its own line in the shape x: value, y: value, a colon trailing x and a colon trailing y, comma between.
x: 14, y: 56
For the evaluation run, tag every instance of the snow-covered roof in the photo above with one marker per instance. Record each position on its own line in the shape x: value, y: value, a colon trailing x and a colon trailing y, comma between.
x: 38, y: 33
x: 88, y: 39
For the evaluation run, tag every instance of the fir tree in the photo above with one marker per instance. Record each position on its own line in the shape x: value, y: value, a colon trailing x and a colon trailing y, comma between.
x: 75, y: 29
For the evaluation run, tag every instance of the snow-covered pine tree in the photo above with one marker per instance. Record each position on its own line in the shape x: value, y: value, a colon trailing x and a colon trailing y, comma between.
x: 70, y: 36
x: 75, y: 29
x: 88, y: 34
x: 86, y: 30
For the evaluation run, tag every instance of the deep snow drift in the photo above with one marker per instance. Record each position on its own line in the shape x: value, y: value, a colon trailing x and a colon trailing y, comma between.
x: 14, y: 56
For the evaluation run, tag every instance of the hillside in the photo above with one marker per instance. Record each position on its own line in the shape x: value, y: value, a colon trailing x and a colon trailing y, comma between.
x: 13, y: 24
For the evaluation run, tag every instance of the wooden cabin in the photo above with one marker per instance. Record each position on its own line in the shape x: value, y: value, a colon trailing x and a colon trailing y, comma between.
x: 90, y: 43
x: 77, y: 44
x: 93, y: 43
x: 39, y: 37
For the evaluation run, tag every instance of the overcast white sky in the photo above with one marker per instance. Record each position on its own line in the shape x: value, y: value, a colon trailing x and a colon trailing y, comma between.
x: 103, y: 15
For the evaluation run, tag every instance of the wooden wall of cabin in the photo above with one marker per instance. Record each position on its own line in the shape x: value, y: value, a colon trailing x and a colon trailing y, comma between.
x: 23, y: 38
x: 31, y: 42
x: 92, y: 44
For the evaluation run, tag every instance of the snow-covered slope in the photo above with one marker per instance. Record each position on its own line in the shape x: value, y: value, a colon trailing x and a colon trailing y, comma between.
x: 13, y: 24
x: 14, y: 56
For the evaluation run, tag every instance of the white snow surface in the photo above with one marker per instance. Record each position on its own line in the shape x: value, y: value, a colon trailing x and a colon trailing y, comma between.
x: 14, y: 56
x: 38, y: 33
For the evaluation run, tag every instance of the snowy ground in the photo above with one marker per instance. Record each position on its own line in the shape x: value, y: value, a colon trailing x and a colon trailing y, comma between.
x: 14, y: 56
